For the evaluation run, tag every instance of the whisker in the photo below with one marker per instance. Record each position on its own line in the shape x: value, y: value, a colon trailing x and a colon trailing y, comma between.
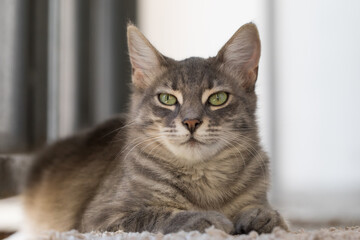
x: 150, y: 139
x: 254, y: 153
x: 229, y: 143
x: 118, y: 129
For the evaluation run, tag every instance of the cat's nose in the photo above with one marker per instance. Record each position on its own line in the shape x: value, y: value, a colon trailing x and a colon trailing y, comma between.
x: 192, y: 124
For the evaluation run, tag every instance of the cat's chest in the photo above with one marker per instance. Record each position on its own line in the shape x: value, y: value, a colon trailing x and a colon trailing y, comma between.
x: 209, y: 186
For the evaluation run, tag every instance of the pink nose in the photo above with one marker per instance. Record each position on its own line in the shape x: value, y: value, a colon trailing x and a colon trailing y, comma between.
x: 192, y: 124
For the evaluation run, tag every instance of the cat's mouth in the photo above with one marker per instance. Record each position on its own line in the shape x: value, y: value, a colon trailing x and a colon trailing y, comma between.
x: 192, y: 142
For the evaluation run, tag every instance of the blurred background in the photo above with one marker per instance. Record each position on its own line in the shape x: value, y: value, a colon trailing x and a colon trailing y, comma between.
x: 64, y: 67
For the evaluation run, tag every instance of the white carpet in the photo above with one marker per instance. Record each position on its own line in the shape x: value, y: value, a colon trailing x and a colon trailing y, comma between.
x: 350, y: 233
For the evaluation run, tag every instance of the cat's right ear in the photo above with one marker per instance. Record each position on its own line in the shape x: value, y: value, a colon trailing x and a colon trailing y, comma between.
x: 145, y: 60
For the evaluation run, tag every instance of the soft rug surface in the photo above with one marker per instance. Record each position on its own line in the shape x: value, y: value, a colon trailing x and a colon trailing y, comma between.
x: 212, y: 234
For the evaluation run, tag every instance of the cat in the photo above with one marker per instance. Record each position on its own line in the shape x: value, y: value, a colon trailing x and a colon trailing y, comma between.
x: 186, y: 156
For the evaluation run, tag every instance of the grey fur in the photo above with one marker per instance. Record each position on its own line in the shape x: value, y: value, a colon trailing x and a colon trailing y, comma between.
x: 258, y: 219
x: 147, y: 171
x: 198, y: 221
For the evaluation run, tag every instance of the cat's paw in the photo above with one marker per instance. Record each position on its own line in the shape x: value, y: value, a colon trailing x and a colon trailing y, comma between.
x: 198, y: 221
x: 261, y: 220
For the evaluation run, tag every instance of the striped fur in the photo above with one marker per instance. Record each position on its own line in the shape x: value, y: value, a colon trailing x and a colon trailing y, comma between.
x: 148, y: 171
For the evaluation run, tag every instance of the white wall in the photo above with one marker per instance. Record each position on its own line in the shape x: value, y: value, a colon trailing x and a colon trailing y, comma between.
x: 318, y: 102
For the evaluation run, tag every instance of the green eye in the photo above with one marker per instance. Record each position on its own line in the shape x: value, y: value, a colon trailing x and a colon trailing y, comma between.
x: 167, y: 99
x: 218, y: 98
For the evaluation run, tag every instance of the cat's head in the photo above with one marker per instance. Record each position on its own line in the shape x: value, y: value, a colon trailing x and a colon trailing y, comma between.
x: 195, y: 108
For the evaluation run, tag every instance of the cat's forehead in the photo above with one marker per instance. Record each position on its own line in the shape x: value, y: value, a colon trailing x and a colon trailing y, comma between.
x: 191, y: 74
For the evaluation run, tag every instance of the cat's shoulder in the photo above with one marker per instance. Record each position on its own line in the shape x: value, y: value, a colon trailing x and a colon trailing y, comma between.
x: 87, y: 140
x: 78, y: 147
x: 105, y: 131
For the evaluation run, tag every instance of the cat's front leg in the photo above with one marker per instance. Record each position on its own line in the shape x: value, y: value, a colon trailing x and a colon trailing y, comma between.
x: 198, y: 221
x: 262, y: 219
x: 154, y: 220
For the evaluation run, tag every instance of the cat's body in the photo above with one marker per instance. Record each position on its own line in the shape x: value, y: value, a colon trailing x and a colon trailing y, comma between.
x: 185, y: 157
x: 66, y: 176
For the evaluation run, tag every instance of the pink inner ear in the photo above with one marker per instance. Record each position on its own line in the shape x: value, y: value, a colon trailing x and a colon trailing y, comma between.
x: 250, y: 79
x: 138, y: 75
x: 138, y: 78
x: 254, y: 59
x: 252, y: 66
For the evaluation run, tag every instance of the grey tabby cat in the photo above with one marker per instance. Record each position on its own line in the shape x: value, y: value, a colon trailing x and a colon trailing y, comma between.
x: 187, y: 155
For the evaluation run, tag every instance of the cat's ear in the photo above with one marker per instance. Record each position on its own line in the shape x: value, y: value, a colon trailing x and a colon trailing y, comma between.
x: 145, y: 60
x: 239, y: 57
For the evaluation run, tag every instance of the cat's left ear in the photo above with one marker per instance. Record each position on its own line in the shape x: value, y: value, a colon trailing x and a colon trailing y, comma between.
x: 145, y: 60
x: 239, y: 57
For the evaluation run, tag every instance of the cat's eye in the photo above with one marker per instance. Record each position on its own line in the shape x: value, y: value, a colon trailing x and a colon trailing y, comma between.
x: 218, y: 98
x: 167, y: 99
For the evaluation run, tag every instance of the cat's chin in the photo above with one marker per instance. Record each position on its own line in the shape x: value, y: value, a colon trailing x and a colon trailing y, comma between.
x: 193, y: 151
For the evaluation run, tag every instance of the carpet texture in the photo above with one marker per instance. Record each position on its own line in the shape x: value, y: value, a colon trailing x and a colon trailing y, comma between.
x: 348, y: 233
